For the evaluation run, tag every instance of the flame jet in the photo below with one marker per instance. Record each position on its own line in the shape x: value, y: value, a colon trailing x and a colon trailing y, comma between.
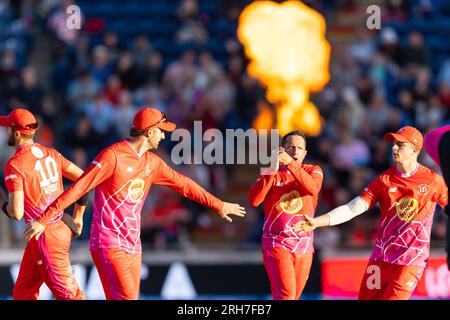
x: 289, y: 54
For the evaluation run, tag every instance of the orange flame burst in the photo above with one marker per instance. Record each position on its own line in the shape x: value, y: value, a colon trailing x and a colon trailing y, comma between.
x: 289, y: 54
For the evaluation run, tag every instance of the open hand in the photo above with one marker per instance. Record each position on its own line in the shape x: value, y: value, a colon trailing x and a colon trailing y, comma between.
x: 33, y: 228
x: 309, y: 224
x: 231, y: 209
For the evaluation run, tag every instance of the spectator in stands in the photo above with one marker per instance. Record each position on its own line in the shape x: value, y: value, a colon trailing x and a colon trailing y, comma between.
x: 29, y: 93
x: 101, y: 114
x: 179, y: 72
x: 100, y: 69
x: 10, y: 76
x: 152, y: 71
x: 82, y: 90
x: 350, y: 151
x: 362, y: 47
x: 113, y: 89
x: 123, y: 115
x: 111, y: 42
x: 128, y: 71
x: 141, y: 50
x: 415, y: 52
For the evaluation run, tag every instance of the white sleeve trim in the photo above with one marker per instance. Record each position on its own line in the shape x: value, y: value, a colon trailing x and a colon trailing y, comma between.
x: 348, y: 211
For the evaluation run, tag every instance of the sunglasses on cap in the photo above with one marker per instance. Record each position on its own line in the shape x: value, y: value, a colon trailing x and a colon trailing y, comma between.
x: 163, y: 119
x: 27, y: 127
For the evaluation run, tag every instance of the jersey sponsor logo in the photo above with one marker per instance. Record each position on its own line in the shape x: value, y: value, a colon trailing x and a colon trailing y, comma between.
x: 147, y: 169
x: 136, y: 190
x: 10, y: 177
x: 130, y: 169
x: 37, y: 152
x: 423, y: 188
x: 291, y: 202
x: 393, y: 189
x: 407, y: 209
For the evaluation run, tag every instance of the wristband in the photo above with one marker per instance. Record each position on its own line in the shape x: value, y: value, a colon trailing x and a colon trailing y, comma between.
x: 83, y: 200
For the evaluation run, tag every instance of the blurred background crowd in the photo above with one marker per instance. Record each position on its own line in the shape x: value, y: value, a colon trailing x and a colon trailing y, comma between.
x: 183, y: 57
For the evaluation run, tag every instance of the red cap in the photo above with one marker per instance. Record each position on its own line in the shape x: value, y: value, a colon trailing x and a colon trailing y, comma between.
x: 21, y: 120
x: 406, y: 134
x: 151, y: 117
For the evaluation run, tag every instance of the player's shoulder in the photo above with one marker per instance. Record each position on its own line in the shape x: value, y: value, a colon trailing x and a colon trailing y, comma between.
x: 40, y: 151
x: 312, y: 168
x: 13, y: 162
x: 150, y: 155
x: 116, y: 147
x: 27, y: 156
x: 387, y: 173
x: 428, y: 172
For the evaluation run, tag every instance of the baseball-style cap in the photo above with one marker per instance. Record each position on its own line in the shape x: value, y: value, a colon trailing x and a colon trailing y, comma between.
x: 406, y: 134
x: 21, y: 120
x: 151, y: 117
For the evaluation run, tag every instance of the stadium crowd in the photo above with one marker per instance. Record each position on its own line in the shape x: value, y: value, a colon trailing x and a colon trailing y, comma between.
x: 186, y: 61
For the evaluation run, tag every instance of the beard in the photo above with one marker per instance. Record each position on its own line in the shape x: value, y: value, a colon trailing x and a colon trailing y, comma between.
x: 11, y: 140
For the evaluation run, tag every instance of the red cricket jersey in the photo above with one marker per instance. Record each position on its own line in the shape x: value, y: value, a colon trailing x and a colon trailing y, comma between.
x: 407, y: 206
x: 38, y: 172
x: 287, y: 195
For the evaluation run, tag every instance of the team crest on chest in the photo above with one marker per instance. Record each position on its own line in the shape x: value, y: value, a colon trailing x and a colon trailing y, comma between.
x: 423, y: 188
x: 407, y: 209
x: 136, y: 190
x: 291, y: 202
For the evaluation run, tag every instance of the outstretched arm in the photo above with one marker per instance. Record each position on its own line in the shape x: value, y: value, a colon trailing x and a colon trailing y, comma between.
x: 100, y: 170
x: 75, y: 222
x: 336, y: 216
x: 166, y: 176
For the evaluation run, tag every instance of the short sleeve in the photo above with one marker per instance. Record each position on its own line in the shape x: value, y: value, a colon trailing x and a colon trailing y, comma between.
x: 65, y: 163
x: 442, y: 193
x: 13, y: 178
x: 370, y: 193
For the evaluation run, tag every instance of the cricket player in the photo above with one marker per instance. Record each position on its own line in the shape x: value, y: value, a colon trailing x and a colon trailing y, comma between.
x: 33, y: 178
x: 437, y: 145
x: 407, y: 194
x: 122, y: 175
x: 288, y: 192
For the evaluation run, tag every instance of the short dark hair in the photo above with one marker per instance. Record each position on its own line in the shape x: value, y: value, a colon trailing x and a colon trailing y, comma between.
x: 136, y: 132
x: 293, y: 133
